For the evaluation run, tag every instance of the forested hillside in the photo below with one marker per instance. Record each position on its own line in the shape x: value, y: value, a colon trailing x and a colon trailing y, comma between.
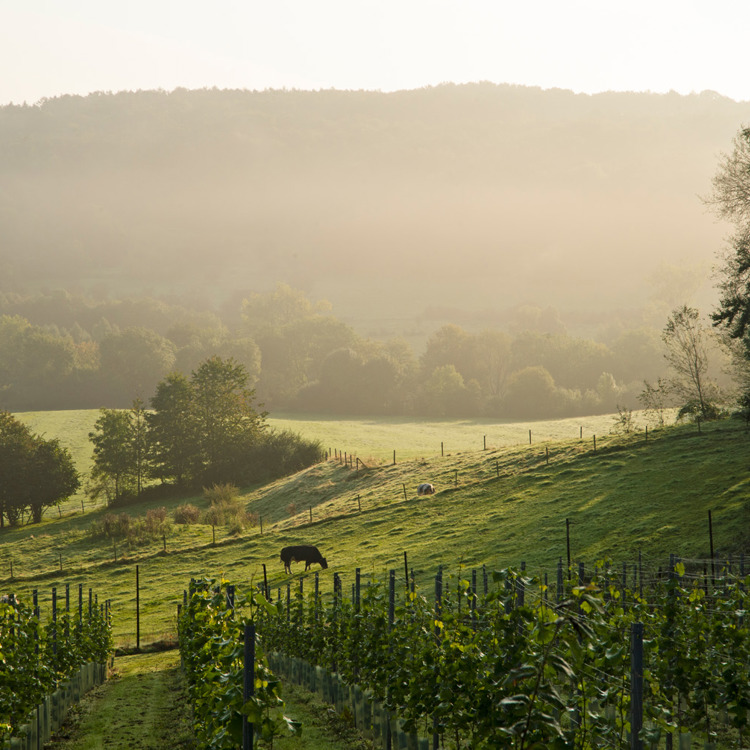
x: 465, y: 200
x: 486, y: 250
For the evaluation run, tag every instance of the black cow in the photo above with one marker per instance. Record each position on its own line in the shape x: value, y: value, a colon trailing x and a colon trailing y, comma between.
x: 425, y: 489
x: 302, y: 553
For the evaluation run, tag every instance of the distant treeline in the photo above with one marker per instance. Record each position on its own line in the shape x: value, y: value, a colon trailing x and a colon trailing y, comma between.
x: 61, y: 351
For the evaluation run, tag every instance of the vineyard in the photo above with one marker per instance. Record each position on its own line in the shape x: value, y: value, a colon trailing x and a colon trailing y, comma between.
x: 46, y: 667
x: 488, y: 660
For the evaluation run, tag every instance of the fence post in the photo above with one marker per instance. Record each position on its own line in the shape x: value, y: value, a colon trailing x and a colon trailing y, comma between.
x: 567, y: 537
x: 137, y: 609
x: 559, y: 580
x: 711, y: 542
x: 636, y: 685
x: 54, y: 624
x: 249, y: 683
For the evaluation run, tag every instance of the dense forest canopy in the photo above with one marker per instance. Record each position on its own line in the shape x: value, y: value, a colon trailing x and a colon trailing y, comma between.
x: 459, y: 202
x: 472, y: 249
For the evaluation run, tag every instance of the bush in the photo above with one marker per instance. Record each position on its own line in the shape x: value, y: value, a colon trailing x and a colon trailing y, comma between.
x: 157, y: 524
x: 692, y: 411
x: 221, y: 495
x: 112, y: 526
x: 187, y: 513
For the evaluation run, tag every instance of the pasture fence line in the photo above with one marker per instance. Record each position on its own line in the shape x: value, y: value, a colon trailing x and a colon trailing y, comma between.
x: 489, y: 469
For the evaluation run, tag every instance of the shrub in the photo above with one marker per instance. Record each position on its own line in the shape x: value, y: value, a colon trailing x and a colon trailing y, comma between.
x: 187, y: 513
x: 112, y: 526
x: 157, y: 523
x: 213, y: 516
x: 221, y: 494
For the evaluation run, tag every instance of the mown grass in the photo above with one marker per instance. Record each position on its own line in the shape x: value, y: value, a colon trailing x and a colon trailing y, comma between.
x: 496, y: 507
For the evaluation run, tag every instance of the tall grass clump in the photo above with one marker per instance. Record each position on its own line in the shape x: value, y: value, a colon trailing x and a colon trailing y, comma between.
x: 226, y: 508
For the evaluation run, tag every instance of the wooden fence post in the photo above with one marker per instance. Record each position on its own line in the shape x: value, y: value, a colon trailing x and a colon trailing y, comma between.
x: 711, y: 543
x: 137, y: 609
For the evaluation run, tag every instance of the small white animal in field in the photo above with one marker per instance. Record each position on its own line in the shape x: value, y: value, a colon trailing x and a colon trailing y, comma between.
x: 425, y: 489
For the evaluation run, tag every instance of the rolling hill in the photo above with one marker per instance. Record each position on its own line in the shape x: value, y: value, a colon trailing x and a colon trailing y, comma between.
x: 644, y: 494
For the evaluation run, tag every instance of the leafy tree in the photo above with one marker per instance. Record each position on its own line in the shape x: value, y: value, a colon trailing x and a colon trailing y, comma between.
x: 34, y: 473
x: 730, y: 199
x: 531, y: 393
x: 114, y: 458
x: 171, y: 432
x: 139, y: 442
x: 133, y: 361
x: 686, y: 342
x: 295, y: 336
x: 225, y: 421
x: 16, y: 448
x: 447, y: 395
x: 53, y: 476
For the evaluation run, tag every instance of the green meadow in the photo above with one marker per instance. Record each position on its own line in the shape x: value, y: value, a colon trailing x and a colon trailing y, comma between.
x: 502, y: 499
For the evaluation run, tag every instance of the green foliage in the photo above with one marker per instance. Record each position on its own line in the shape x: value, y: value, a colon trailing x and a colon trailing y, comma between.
x: 33, y: 658
x: 36, y: 473
x: 186, y: 513
x: 212, y: 649
x: 114, y: 470
x: 522, y: 667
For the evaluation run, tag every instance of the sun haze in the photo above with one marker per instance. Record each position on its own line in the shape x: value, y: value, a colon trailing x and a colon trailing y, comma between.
x: 80, y: 46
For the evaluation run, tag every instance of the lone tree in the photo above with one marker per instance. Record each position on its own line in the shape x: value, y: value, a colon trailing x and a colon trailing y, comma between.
x: 686, y: 341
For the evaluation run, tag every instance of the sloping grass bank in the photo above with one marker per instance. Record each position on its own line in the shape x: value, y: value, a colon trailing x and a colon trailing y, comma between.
x: 498, y: 507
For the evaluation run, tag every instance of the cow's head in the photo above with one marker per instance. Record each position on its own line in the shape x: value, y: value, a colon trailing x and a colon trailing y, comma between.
x: 323, y: 563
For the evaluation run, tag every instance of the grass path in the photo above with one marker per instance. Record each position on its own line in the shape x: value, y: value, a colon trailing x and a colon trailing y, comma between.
x: 143, y: 706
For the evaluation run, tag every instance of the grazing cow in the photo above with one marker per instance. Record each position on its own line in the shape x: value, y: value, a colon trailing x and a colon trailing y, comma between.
x: 425, y: 489
x: 302, y: 553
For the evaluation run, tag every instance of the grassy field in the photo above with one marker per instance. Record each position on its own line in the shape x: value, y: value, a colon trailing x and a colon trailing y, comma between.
x: 498, y: 506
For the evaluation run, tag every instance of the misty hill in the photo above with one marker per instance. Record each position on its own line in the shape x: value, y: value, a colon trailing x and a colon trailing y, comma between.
x: 453, y: 202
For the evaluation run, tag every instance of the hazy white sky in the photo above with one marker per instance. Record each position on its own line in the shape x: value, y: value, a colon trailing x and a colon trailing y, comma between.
x: 53, y: 47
